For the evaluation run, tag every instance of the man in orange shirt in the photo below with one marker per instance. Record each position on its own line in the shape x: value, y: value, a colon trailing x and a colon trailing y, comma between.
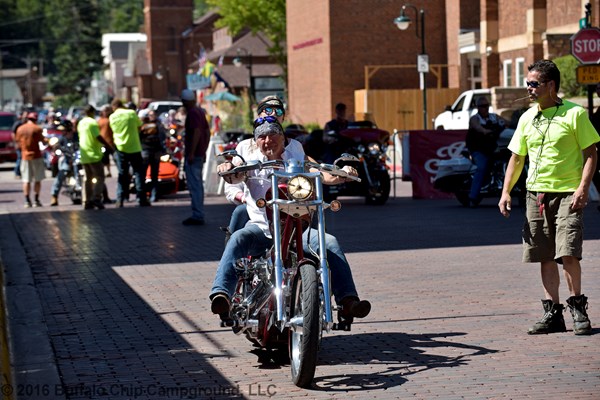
x: 28, y: 138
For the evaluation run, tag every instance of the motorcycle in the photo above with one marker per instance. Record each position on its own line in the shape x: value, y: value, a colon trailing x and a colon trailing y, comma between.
x: 369, y: 144
x: 283, y: 298
x: 69, y: 162
x: 456, y: 174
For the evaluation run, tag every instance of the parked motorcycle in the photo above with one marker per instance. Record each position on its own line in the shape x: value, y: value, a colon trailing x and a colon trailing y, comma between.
x: 369, y: 144
x: 283, y: 298
x: 456, y: 174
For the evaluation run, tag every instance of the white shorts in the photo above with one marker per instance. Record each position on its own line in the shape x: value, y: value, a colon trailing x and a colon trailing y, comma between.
x: 33, y: 170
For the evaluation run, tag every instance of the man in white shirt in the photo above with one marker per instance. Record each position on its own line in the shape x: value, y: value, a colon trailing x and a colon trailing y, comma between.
x: 255, y: 237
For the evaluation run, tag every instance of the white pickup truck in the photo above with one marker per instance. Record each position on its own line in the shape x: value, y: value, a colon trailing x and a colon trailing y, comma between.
x: 458, y: 114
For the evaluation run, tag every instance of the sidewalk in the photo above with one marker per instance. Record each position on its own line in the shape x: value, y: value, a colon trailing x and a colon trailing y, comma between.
x: 113, y: 305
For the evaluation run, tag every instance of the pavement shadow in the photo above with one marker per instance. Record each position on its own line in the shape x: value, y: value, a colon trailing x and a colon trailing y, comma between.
x: 396, y: 356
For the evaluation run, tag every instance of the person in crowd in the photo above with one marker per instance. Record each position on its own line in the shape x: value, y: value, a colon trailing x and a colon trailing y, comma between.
x: 107, y: 135
x: 270, y: 144
x: 197, y: 135
x: 125, y: 126
x: 559, y: 140
x: 68, y: 144
x: 481, y: 141
x: 333, y: 145
x: 595, y: 118
x: 90, y: 144
x: 180, y: 116
x: 19, y: 121
x: 29, y: 137
x: 153, y: 138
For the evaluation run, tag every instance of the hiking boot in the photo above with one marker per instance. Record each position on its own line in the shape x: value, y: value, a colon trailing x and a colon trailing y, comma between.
x: 581, y: 323
x: 552, y: 321
x: 53, y: 201
x: 220, y: 305
x: 353, y: 307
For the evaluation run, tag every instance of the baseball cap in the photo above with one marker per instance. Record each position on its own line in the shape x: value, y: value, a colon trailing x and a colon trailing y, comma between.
x: 188, y: 95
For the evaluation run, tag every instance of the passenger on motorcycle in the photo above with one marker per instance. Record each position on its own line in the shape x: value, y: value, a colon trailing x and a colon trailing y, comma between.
x: 255, y: 237
x: 481, y: 141
x: 268, y: 106
x: 68, y: 145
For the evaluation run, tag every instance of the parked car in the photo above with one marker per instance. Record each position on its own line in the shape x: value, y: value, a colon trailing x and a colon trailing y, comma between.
x: 8, y: 150
x: 163, y: 107
x: 458, y: 114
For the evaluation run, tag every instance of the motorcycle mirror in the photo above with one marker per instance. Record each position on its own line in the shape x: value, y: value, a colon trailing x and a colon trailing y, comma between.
x: 230, y: 155
x: 345, y: 157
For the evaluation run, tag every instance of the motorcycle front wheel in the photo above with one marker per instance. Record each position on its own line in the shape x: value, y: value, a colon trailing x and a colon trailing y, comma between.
x: 304, y: 337
x: 379, y: 193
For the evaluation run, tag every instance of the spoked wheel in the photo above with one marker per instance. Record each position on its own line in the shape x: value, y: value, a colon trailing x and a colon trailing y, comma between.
x: 305, y: 330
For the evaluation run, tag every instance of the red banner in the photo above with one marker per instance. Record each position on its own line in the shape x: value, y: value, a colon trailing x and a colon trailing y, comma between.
x: 427, y: 148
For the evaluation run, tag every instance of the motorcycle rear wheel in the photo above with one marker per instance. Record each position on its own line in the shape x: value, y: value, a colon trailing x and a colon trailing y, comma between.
x: 304, y: 341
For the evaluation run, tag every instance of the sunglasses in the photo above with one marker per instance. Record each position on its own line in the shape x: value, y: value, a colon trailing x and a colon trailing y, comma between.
x: 534, y: 84
x: 261, y: 120
x: 270, y: 110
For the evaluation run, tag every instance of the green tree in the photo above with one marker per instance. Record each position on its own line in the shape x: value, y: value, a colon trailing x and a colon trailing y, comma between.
x: 265, y: 16
x: 568, y: 76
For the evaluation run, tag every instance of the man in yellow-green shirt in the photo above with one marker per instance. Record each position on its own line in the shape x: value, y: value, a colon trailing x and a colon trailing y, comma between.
x: 125, y: 125
x: 90, y: 147
x: 559, y: 140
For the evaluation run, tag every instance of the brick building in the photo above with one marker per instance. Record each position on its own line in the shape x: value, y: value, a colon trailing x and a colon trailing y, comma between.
x: 470, y: 44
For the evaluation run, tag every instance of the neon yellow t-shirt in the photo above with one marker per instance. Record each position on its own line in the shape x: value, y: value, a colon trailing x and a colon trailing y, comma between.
x: 89, y: 146
x: 125, y: 125
x: 554, y: 139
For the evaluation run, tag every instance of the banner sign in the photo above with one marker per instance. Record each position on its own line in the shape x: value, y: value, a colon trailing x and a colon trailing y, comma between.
x: 197, y: 81
x: 427, y: 149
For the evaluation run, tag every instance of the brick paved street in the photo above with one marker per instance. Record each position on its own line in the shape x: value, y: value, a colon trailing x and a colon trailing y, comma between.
x: 113, y: 305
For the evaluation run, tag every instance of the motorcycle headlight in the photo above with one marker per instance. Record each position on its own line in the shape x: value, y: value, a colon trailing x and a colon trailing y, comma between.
x: 374, y: 148
x: 300, y: 188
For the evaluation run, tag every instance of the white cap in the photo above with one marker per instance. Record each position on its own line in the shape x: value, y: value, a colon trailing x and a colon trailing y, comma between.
x: 188, y: 95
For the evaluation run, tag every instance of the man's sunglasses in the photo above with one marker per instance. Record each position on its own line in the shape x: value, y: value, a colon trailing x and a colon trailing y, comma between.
x: 271, y: 110
x: 261, y: 120
x: 534, y: 84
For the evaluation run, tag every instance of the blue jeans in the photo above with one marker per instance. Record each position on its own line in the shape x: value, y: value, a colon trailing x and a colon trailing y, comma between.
x: 193, y: 177
x: 482, y: 163
x: 239, y: 218
x: 123, y: 161
x: 18, y: 163
x: 151, y: 159
x: 250, y: 240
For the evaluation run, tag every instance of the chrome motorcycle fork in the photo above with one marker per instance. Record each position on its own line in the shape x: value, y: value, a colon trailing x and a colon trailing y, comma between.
x: 367, y: 174
x: 279, y: 287
x: 324, y: 267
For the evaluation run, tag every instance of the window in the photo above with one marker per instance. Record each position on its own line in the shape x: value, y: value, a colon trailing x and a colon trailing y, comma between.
x: 520, y: 71
x: 508, y: 70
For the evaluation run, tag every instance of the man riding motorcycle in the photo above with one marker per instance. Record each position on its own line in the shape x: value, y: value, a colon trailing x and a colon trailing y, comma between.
x: 255, y: 237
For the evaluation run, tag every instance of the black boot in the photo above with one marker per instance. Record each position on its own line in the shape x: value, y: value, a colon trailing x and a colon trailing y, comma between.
x: 552, y: 321
x: 581, y: 322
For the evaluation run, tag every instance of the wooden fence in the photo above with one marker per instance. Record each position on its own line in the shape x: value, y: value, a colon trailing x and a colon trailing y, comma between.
x: 401, y: 109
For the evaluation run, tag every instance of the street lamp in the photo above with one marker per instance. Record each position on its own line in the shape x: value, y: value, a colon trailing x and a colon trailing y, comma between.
x: 403, y: 22
x: 238, y: 63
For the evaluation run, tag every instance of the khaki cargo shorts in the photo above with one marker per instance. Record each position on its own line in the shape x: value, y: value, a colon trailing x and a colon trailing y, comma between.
x: 551, y: 230
x: 33, y: 170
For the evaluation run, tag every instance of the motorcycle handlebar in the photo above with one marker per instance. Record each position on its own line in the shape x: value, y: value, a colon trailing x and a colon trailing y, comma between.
x: 328, y: 168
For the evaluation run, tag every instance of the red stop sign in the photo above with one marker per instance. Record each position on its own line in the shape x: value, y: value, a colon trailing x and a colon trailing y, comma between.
x: 585, y: 45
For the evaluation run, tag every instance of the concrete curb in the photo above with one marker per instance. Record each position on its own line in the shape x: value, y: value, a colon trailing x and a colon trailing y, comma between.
x: 35, y: 370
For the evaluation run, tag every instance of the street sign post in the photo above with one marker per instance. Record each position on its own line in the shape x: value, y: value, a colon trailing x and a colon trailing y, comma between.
x: 585, y: 46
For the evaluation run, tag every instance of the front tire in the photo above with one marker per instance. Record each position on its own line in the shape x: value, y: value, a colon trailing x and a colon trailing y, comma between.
x: 304, y: 339
x: 380, y: 192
